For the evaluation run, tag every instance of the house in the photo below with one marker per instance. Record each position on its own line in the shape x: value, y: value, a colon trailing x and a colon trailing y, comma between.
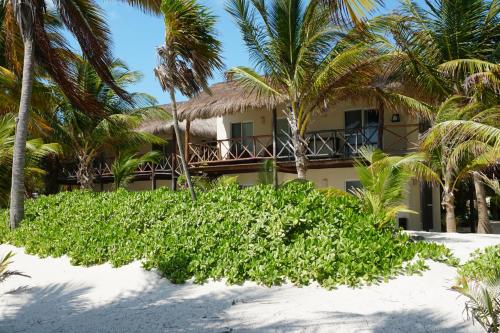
x: 251, y: 130
x: 232, y: 132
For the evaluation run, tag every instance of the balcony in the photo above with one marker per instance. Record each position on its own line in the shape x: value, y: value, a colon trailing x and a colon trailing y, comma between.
x: 337, y: 144
x: 325, y: 148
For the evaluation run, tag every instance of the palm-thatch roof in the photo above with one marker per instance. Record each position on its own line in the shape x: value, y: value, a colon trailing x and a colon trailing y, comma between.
x: 205, y: 128
x: 225, y: 98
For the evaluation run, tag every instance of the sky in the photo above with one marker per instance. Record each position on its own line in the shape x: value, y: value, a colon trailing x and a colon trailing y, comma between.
x: 136, y: 35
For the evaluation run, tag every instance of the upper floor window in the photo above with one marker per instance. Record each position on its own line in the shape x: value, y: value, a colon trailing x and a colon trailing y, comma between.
x: 242, y: 139
x: 361, y: 127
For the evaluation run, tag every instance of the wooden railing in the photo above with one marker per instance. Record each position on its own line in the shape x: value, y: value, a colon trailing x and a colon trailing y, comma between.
x: 103, y: 169
x: 325, y: 144
x: 245, y: 148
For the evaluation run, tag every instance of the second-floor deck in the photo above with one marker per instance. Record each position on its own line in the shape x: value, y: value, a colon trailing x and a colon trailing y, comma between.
x: 336, y: 144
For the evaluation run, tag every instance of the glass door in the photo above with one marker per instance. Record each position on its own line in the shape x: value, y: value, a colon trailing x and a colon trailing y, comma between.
x: 241, y: 140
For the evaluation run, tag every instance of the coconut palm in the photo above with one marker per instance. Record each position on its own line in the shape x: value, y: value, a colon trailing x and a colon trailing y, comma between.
x: 36, y: 151
x: 126, y: 163
x: 350, y: 10
x: 385, y: 179
x: 482, y: 86
x: 444, y: 31
x: 457, y: 145
x: 188, y: 58
x: 84, y: 20
x: 85, y: 137
x: 300, y: 58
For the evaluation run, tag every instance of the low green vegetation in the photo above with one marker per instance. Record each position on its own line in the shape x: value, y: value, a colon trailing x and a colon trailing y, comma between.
x: 295, y: 233
x: 483, y: 264
x: 479, y: 282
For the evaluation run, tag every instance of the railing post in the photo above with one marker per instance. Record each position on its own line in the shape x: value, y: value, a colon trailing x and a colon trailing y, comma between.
x: 153, y: 176
x: 275, y: 148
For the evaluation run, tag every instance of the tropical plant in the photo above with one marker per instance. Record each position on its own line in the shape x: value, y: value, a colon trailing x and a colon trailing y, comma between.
x: 441, y: 31
x: 300, y: 58
x: 455, y: 148
x: 36, y: 151
x: 479, y: 282
x: 442, y: 45
x: 259, y: 233
x: 346, y: 11
x: 266, y: 173
x: 84, y: 20
x: 85, y: 137
x: 188, y: 58
x: 385, y: 179
x: 5, y: 273
x: 126, y: 163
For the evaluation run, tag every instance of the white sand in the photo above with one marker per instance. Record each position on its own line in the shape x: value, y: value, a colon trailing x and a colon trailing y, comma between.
x: 63, y: 298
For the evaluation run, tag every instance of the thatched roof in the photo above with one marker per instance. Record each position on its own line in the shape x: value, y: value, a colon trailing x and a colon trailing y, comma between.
x: 225, y: 98
x: 205, y: 128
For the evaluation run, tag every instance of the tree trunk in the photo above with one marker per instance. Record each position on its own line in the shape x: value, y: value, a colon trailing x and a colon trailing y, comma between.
x: 448, y: 204
x: 179, y: 145
x: 300, y: 155
x: 18, y: 161
x: 85, y: 174
x: 483, y: 221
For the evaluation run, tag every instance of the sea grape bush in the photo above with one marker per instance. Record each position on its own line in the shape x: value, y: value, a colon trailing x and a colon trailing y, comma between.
x: 295, y: 233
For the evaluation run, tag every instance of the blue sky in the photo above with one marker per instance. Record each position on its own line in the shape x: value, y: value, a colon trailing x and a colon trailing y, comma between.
x: 136, y: 35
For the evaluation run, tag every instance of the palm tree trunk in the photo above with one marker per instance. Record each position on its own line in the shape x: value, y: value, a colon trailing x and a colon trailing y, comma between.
x: 448, y: 204
x: 85, y: 174
x: 300, y: 156
x: 179, y: 145
x: 483, y: 221
x: 18, y: 162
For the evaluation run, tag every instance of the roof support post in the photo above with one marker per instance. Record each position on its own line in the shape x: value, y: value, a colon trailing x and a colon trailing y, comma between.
x: 275, y: 147
x: 173, y: 164
x: 186, y: 140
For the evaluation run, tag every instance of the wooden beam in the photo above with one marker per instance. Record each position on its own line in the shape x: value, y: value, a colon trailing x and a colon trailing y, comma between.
x: 186, y: 140
x: 275, y: 148
x: 174, y: 159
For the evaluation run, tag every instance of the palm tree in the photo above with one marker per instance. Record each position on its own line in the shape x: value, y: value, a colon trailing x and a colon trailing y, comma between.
x: 350, y: 10
x: 444, y: 31
x: 126, y: 163
x: 85, y: 137
x: 458, y: 145
x: 188, y: 58
x: 301, y: 57
x: 36, y: 151
x: 84, y: 20
x: 444, y: 37
x: 384, y: 179
x: 482, y: 86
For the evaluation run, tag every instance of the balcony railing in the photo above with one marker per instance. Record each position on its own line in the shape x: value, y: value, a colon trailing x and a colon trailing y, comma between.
x: 326, y: 144
x: 321, y: 145
x: 103, y: 169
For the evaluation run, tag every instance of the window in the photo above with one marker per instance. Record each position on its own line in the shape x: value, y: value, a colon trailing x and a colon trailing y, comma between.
x: 283, y: 135
x: 361, y: 128
x: 352, y: 185
x: 242, y: 143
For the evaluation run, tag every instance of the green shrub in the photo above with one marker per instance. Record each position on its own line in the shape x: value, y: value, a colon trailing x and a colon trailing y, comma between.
x: 479, y: 282
x: 294, y: 233
x: 484, y: 264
